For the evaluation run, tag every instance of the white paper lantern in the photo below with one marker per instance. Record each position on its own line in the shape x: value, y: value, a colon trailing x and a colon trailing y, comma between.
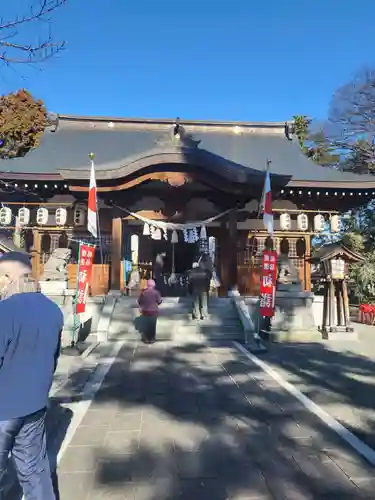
x: 212, y: 247
x: 42, y: 216
x: 5, y: 216
x: 203, y: 233
x: 24, y: 216
x: 335, y: 223
x: 146, y: 229
x: 285, y: 222
x: 60, y: 216
x: 303, y: 222
x: 79, y: 216
x: 319, y: 223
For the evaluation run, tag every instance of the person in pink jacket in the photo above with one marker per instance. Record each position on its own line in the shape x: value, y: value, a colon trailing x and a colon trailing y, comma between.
x: 149, y: 302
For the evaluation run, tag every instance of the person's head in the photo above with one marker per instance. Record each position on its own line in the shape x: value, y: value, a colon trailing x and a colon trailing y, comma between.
x: 195, y: 265
x: 150, y: 284
x: 15, y: 274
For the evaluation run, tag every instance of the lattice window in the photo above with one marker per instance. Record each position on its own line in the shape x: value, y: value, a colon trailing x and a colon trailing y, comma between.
x: 49, y: 243
x: 106, y: 242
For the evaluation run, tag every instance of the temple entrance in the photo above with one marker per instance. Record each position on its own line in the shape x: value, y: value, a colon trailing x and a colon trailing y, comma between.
x: 177, y: 261
x: 179, y: 256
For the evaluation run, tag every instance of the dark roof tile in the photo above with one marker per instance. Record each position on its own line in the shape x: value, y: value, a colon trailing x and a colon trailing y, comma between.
x: 70, y: 145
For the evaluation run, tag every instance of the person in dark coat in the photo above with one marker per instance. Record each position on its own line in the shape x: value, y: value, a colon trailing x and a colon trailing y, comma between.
x: 198, y: 287
x: 158, y: 270
x: 205, y: 263
x: 149, y: 302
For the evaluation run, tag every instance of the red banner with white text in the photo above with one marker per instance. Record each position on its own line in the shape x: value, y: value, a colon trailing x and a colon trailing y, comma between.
x: 268, y: 283
x: 85, y: 262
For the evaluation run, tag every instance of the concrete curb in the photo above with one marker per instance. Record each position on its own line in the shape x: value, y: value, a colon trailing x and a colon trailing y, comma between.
x: 253, y: 344
x: 105, y: 318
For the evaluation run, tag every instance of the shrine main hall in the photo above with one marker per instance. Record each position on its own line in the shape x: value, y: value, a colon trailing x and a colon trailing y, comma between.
x: 163, y: 187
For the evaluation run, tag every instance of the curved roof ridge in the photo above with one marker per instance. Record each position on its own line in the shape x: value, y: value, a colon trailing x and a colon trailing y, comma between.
x: 172, y: 121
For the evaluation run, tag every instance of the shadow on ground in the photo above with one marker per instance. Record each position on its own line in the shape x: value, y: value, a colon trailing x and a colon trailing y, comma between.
x: 340, y: 381
x: 179, y: 422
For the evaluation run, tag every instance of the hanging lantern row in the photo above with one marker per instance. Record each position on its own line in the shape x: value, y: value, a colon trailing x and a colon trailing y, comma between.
x: 303, y: 222
x: 301, y: 192
x: 42, y: 216
x: 191, y: 235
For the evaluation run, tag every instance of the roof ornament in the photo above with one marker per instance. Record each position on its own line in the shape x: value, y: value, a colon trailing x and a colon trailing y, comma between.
x: 52, y: 121
x: 179, y: 137
x: 176, y: 128
x: 289, y: 130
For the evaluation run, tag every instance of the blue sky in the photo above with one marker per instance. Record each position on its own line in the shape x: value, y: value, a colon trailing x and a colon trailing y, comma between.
x: 233, y: 60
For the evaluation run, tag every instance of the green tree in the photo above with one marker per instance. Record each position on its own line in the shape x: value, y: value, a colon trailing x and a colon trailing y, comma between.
x: 320, y: 150
x: 301, y: 129
x: 361, y: 158
x: 314, y: 143
x: 358, y: 234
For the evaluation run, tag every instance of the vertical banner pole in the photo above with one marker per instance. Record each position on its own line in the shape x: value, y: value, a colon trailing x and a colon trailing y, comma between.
x: 267, y: 289
x: 75, y: 301
x: 100, y: 237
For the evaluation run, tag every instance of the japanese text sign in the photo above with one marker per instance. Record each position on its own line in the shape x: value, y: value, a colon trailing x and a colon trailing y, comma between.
x: 268, y: 283
x: 85, y: 262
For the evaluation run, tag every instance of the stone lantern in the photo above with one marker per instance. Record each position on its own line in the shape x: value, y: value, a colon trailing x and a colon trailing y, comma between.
x: 333, y: 262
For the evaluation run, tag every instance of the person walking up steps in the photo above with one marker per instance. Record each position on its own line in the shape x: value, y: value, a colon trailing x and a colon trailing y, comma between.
x: 30, y: 337
x: 149, y: 302
x: 198, y: 286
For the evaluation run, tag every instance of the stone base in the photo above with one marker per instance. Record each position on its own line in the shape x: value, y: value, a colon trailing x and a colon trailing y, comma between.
x: 53, y: 287
x: 293, y: 320
x: 295, y: 336
x: 340, y: 333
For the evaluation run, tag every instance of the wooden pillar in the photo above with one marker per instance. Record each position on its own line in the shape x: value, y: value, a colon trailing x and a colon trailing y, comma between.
x: 331, y: 303
x: 325, y: 306
x: 232, y: 250
x: 35, y: 254
x: 116, y: 254
x: 345, y: 299
x: 339, y: 311
x: 307, y: 263
x: 223, y: 245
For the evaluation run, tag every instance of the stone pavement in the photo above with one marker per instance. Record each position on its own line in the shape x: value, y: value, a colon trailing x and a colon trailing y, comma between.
x: 198, y: 422
x: 338, y: 376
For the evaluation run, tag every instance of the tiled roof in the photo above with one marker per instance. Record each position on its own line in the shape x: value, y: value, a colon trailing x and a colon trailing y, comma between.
x: 115, y: 141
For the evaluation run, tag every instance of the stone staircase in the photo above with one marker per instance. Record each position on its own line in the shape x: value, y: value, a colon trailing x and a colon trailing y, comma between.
x: 175, y: 323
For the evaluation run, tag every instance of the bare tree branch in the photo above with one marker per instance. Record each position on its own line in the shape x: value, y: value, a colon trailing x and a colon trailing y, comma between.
x: 352, y: 113
x: 12, y: 51
x: 350, y: 129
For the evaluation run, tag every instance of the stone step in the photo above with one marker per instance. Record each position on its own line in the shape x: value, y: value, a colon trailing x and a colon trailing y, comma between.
x: 175, y: 320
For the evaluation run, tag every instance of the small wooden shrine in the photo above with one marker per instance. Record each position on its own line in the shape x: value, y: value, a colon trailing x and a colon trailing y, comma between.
x: 156, y: 176
x: 333, y: 270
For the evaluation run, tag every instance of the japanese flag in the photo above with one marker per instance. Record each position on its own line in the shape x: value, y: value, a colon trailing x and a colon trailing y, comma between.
x: 92, y: 205
x: 267, y: 204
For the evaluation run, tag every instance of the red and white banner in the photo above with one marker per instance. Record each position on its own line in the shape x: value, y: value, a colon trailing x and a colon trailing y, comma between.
x: 268, y: 283
x: 85, y: 262
x: 92, y: 219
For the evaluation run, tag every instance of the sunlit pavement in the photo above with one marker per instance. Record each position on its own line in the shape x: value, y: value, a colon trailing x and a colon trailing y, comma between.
x: 197, y: 422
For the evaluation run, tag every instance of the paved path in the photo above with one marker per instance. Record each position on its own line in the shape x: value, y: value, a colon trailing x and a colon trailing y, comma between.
x: 338, y: 376
x: 193, y: 422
